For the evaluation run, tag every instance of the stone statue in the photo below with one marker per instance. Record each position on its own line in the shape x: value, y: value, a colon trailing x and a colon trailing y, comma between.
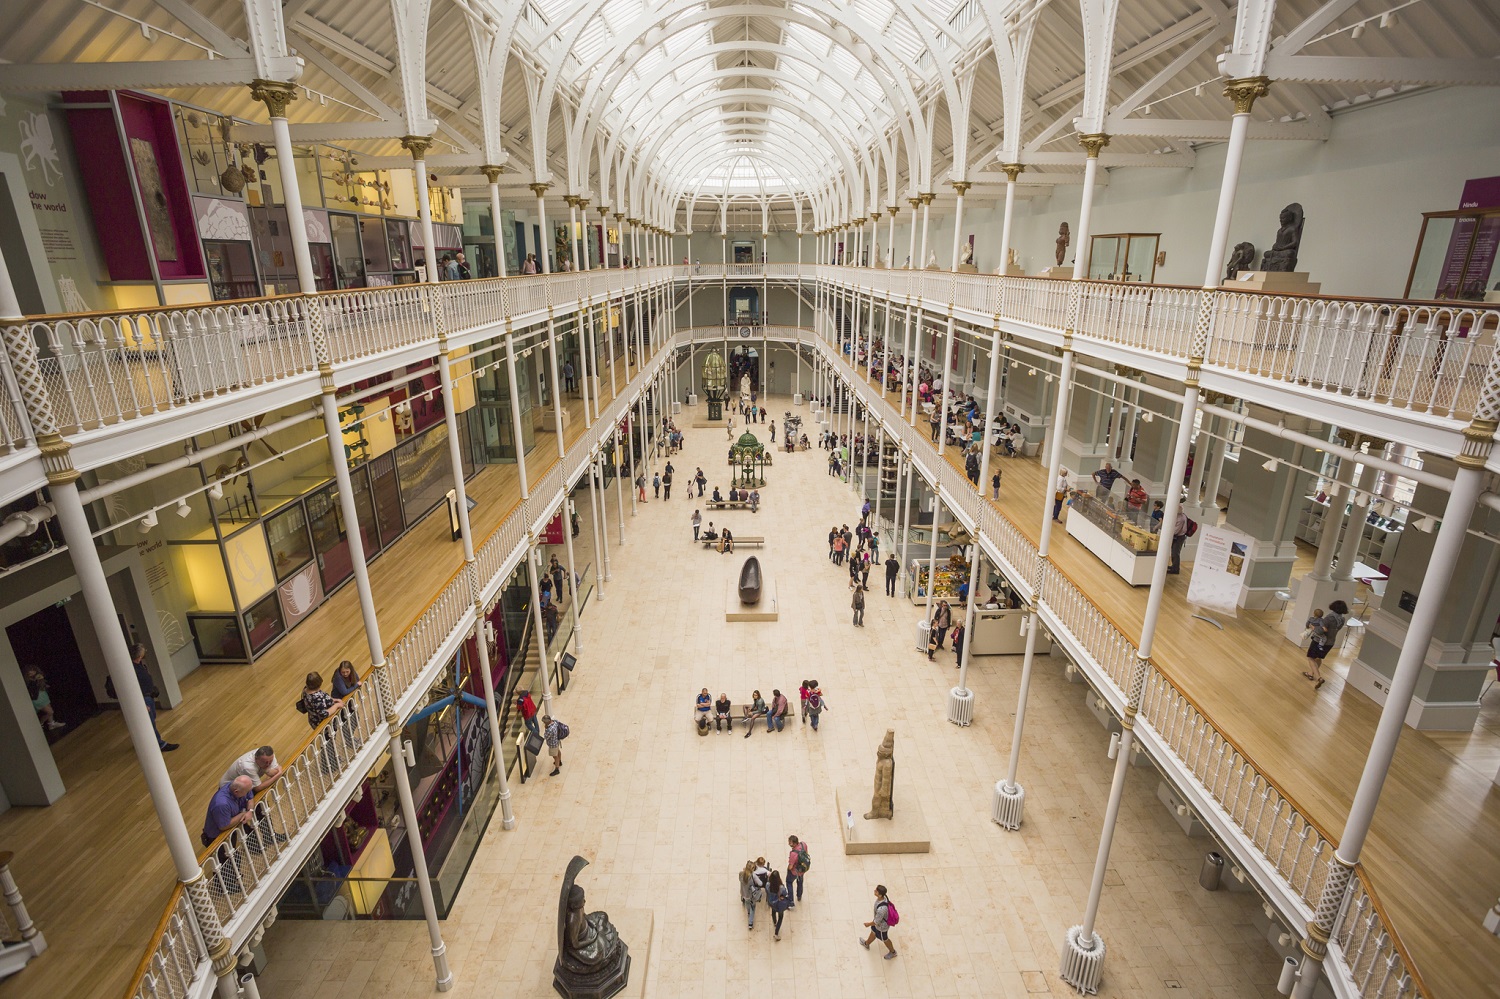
x: 745, y: 387
x: 1241, y: 258
x: 1011, y: 260
x: 966, y: 252
x: 1282, y: 256
x: 1064, y: 237
x: 882, y: 805
x: 592, y: 961
x: 932, y: 261
x: 907, y: 264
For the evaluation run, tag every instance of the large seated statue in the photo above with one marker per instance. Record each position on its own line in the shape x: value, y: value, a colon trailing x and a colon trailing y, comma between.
x: 592, y: 961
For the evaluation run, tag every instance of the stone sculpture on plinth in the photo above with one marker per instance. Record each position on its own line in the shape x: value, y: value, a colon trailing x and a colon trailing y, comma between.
x: 592, y: 961
x: 1241, y: 258
x: 882, y: 805
x: 1282, y: 256
x: 1064, y: 237
x: 750, y: 581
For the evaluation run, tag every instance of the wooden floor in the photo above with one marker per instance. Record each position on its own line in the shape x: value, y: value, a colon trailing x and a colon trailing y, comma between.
x: 1431, y: 851
x: 92, y: 867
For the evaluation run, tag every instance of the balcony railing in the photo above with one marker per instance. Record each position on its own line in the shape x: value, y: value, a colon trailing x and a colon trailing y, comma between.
x: 243, y: 866
x: 1290, y: 843
x: 100, y: 369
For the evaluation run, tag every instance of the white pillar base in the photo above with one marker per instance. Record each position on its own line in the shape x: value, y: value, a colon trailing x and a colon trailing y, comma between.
x: 960, y: 706
x: 1009, y: 805
x: 1082, y: 966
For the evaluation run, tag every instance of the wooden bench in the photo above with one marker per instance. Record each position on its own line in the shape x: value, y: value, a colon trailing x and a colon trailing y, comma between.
x: 732, y: 505
x: 738, y: 540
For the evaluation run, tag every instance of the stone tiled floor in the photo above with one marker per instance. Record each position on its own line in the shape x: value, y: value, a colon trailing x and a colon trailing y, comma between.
x: 667, y: 818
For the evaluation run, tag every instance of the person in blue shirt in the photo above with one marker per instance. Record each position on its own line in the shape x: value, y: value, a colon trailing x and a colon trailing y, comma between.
x: 229, y: 807
x: 1105, y: 479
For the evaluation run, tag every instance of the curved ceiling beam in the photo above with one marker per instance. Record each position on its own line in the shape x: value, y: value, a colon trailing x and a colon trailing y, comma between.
x: 758, y: 96
x: 714, y: 98
x: 647, y: 30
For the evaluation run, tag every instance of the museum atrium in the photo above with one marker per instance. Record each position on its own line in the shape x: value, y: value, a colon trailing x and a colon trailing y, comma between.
x: 374, y: 332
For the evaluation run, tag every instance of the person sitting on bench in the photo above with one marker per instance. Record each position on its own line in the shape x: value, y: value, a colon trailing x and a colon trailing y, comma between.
x: 710, y: 534
x: 716, y: 497
x: 721, y: 713
x: 734, y: 495
x: 726, y: 543
x: 701, y: 708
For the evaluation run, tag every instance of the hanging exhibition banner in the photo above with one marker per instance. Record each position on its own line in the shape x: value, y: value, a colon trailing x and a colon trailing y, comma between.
x: 1218, y: 569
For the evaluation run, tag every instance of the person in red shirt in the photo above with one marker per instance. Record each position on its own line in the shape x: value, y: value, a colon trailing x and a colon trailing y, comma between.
x: 527, y: 707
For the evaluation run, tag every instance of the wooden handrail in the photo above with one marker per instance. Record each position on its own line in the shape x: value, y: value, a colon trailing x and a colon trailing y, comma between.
x: 1385, y: 919
x: 144, y: 966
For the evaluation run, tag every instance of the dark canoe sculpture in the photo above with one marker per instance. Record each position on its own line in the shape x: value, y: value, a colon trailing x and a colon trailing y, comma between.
x: 750, y: 581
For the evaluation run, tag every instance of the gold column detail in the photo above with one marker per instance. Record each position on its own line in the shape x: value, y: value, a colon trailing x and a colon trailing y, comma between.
x: 539, y: 189
x: 1093, y: 143
x: 962, y: 187
x: 1012, y: 170
x: 417, y: 145
x: 915, y: 203
x: 1245, y: 91
x: 274, y: 94
x: 492, y: 173
x: 927, y: 197
x: 56, y: 463
x: 893, y: 210
x: 1479, y: 438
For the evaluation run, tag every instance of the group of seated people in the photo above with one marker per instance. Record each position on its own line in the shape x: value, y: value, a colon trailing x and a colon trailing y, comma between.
x: 751, y: 496
x: 1008, y: 436
x: 775, y: 711
x: 725, y: 539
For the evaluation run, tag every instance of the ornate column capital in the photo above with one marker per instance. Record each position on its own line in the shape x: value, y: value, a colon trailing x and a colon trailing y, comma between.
x: 1093, y: 143
x: 893, y: 210
x: 1012, y: 170
x: 962, y: 187
x: 417, y: 145
x: 619, y: 217
x: 915, y: 203
x: 570, y: 201
x: 603, y: 211
x: 539, y: 189
x: 583, y: 203
x: 274, y: 94
x: 492, y: 172
x: 927, y: 198
x: 1243, y: 92
x: 858, y: 222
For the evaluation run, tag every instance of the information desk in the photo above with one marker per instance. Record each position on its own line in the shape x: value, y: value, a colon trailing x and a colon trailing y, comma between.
x: 1104, y: 532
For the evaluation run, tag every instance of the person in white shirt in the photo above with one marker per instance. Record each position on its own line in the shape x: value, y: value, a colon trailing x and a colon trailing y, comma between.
x: 260, y: 765
x: 1060, y: 494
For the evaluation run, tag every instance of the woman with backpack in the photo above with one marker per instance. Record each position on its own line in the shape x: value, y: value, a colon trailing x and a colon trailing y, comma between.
x: 752, y: 885
x: 779, y: 899
x: 815, y: 703
x: 881, y: 921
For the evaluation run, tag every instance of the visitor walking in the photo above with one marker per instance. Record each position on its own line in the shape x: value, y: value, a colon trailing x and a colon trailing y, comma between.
x: 995, y: 484
x: 666, y: 484
x: 1325, y: 632
x: 1059, y: 494
x: 527, y: 707
x: 1179, y: 535
x: 858, y: 604
x: 750, y: 890
x: 656, y: 485
x: 554, y: 732
x: 816, y: 703
x: 701, y: 479
x: 892, y: 569
x: 149, y: 692
x: 942, y: 620
x: 640, y: 486
x: 958, y: 644
x: 779, y: 899
x: 880, y: 923
x: 697, y: 521
x: 798, y: 862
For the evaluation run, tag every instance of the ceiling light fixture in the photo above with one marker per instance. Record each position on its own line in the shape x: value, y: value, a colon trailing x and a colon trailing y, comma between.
x: 216, y: 491
x: 183, y: 510
x: 1388, y: 19
x: 147, y: 522
x: 1359, y: 29
x: 1271, y: 465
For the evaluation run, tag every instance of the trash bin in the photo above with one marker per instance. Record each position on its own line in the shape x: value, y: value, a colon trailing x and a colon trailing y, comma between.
x: 1213, y: 870
x: 924, y: 633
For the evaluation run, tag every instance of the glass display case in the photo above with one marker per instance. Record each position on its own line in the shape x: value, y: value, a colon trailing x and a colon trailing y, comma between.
x: 1123, y: 256
x: 348, y: 252
x: 291, y: 546
x: 1108, y: 532
x: 1456, y: 257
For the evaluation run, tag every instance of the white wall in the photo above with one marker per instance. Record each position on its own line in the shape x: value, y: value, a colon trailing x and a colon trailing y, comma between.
x: 1364, y: 191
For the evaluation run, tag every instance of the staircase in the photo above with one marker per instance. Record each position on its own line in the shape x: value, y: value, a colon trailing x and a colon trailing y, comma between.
x: 20, y: 940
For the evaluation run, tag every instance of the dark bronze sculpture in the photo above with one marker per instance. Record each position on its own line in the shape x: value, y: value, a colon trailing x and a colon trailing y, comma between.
x: 1064, y: 237
x: 1282, y: 256
x: 592, y: 961
x: 750, y: 581
x: 1241, y: 258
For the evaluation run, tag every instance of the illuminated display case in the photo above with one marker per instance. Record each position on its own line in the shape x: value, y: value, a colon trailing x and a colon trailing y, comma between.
x: 1456, y: 257
x: 1123, y: 256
